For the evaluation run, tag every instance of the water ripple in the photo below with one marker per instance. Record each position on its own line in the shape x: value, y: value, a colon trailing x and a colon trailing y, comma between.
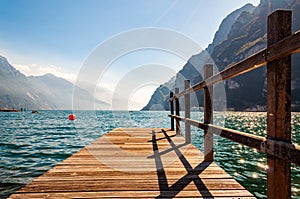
x: 31, y: 144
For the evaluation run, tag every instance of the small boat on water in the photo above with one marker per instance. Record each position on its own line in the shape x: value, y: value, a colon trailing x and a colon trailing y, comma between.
x: 8, y: 110
x: 34, y: 112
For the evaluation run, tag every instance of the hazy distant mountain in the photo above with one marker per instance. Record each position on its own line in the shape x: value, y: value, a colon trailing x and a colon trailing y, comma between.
x: 241, y: 34
x: 39, y: 92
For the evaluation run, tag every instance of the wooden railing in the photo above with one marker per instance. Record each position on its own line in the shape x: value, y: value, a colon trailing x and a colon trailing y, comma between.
x: 281, y: 152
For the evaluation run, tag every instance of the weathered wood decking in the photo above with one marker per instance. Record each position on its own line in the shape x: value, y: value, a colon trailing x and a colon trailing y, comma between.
x: 135, y: 163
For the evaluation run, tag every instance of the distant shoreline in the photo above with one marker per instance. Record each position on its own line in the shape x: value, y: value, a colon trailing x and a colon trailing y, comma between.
x: 70, y: 110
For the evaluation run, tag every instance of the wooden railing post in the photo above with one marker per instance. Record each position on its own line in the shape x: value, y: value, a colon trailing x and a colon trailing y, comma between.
x: 208, y: 114
x: 279, y: 107
x: 172, y: 111
x: 178, y: 131
x: 187, y: 110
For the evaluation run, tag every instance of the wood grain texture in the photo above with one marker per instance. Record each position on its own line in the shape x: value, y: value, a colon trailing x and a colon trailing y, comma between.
x: 187, y: 111
x: 177, y: 112
x: 287, y: 151
x: 172, y: 110
x: 208, y: 115
x: 135, y: 163
x: 279, y: 106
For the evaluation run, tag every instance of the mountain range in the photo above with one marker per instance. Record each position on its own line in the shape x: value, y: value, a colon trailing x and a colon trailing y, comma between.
x: 241, y: 34
x: 41, y: 92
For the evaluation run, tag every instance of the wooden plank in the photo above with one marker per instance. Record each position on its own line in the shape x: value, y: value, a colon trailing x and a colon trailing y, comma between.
x: 172, y: 111
x: 187, y: 110
x: 169, y: 168
x: 286, y: 46
x: 286, y: 151
x: 221, y: 194
x: 208, y: 115
x: 177, y: 112
x: 279, y: 106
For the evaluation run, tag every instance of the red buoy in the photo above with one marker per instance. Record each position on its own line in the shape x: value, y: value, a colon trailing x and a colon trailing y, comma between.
x: 72, y: 117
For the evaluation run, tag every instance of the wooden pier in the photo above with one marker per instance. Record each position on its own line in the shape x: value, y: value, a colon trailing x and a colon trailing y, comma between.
x: 161, y: 163
x: 135, y: 163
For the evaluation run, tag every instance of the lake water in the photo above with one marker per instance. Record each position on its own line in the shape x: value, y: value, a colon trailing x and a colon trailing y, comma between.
x: 31, y: 144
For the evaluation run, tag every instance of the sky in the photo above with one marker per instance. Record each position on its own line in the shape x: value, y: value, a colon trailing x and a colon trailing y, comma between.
x: 59, y: 36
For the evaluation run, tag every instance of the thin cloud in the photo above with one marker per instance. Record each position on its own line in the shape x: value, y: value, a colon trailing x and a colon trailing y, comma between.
x: 38, y: 70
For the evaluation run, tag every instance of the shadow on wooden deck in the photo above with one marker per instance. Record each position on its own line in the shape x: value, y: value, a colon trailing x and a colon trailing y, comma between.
x: 191, y: 176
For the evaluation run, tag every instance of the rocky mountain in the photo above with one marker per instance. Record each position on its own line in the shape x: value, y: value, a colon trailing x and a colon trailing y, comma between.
x: 240, y: 34
x: 39, y: 92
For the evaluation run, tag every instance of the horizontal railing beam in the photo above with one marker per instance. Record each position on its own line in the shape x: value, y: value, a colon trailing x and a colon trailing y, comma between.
x: 287, y: 46
x: 283, y: 48
x: 283, y: 150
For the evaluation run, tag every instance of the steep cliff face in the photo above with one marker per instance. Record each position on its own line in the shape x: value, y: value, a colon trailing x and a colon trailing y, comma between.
x: 241, y: 34
x: 247, y: 36
x: 193, y: 70
x: 225, y: 27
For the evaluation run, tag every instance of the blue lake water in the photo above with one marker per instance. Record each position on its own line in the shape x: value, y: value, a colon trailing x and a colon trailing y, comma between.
x: 31, y: 144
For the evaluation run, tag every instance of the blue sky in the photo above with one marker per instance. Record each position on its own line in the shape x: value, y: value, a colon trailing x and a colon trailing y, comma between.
x: 56, y: 36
